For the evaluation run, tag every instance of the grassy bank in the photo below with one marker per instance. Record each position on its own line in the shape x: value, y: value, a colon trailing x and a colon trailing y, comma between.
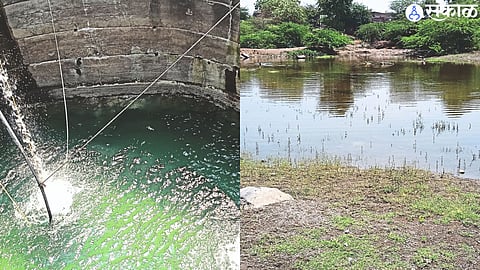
x: 348, y: 218
x: 463, y: 58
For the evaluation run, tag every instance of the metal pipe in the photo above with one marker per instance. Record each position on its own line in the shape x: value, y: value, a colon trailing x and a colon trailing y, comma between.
x: 30, y: 165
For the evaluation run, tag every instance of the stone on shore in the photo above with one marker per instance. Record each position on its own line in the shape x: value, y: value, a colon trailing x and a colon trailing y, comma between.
x: 256, y: 197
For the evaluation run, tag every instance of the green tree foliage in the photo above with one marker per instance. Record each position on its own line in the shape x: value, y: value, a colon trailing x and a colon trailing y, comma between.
x: 393, y: 31
x: 336, y: 12
x: 396, y: 30
x: 247, y: 27
x: 260, y: 40
x: 326, y: 38
x: 312, y: 13
x: 371, y: 32
x: 344, y: 15
x: 399, y: 7
x: 283, y: 35
x: 282, y: 10
x: 244, y: 14
x: 359, y: 15
x: 289, y: 34
x: 449, y: 36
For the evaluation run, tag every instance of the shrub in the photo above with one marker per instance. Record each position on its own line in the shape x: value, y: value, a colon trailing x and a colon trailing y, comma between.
x: 393, y: 31
x: 247, y: 27
x: 283, y: 35
x: 371, y: 32
x: 326, y: 38
x: 449, y: 36
x: 289, y: 34
x: 260, y: 40
x: 476, y: 39
x: 306, y: 52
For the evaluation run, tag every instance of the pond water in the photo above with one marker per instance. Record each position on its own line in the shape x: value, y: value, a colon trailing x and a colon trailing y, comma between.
x: 405, y: 114
x: 157, y: 190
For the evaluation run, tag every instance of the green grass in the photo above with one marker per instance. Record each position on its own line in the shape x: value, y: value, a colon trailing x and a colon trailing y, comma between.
x: 428, y: 256
x: 398, y: 237
x: 464, y: 208
x: 420, y: 194
x: 344, y: 251
x: 437, y: 60
x: 343, y: 222
x: 376, y: 218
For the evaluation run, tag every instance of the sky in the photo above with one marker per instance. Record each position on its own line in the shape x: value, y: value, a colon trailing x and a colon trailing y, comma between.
x: 375, y: 5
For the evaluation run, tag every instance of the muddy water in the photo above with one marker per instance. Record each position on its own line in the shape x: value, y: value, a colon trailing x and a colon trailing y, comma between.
x: 426, y: 116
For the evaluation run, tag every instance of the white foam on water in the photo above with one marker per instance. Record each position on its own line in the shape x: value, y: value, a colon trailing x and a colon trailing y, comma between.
x: 60, y: 195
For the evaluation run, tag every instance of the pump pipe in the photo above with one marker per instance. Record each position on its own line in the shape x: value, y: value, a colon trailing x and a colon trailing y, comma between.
x: 30, y: 165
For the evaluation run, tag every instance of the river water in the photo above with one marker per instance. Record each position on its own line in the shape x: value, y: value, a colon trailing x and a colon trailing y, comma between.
x: 383, y: 115
x: 157, y: 190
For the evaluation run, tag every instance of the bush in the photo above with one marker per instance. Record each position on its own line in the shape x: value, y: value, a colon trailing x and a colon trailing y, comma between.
x: 326, y: 38
x: 392, y: 31
x: 261, y: 40
x: 289, y: 34
x: 306, y: 52
x: 449, y: 36
x: 247, y: 27
x: 395, y: 30
x: 371, y: 32
x: 476, y: 39
x: 283, y: 35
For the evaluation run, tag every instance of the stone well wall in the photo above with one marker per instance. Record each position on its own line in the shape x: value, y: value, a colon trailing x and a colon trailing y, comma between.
x: 116, y: 47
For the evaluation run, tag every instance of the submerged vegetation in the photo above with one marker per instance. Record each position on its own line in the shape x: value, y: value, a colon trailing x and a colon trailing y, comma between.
x: 348, y: 218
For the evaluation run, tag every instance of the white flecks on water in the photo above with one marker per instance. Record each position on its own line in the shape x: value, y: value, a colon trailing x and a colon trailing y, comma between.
x: 157, y: 191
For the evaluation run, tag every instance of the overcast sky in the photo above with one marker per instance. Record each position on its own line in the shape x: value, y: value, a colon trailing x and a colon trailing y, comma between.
x: 375, y: 5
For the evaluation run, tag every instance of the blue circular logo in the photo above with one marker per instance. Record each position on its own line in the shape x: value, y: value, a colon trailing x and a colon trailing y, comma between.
x: 414, y: 13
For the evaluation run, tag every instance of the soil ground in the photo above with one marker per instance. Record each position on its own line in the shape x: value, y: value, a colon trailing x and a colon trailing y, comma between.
x: 349, y: 218
x: 466, y: 58
x: 356, y: 52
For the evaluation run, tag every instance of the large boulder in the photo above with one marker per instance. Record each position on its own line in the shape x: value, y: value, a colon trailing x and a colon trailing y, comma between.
x: 256, y: 197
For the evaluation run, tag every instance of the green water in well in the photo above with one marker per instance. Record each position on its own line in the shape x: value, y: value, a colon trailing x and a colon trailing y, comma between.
x: 157, y: 190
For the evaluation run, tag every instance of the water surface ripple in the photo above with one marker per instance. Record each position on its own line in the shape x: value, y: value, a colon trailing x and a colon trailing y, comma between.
x: 410, y: 114
x: 157, y: 190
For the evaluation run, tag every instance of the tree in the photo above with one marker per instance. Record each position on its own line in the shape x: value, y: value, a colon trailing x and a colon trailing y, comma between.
x: 359, y: 15
x: 399, y: 7
x: 244, y: 14
x: 344, y: 15
x: 312, y: 14
x: 336, y: 12
x: 281, y: 10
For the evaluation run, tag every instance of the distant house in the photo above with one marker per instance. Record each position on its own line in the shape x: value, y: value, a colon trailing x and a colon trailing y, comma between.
x: 382, y: 17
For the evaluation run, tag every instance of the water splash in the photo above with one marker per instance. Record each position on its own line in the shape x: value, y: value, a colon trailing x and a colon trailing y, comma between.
x: 61, y: 191
x: 8, y: 87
